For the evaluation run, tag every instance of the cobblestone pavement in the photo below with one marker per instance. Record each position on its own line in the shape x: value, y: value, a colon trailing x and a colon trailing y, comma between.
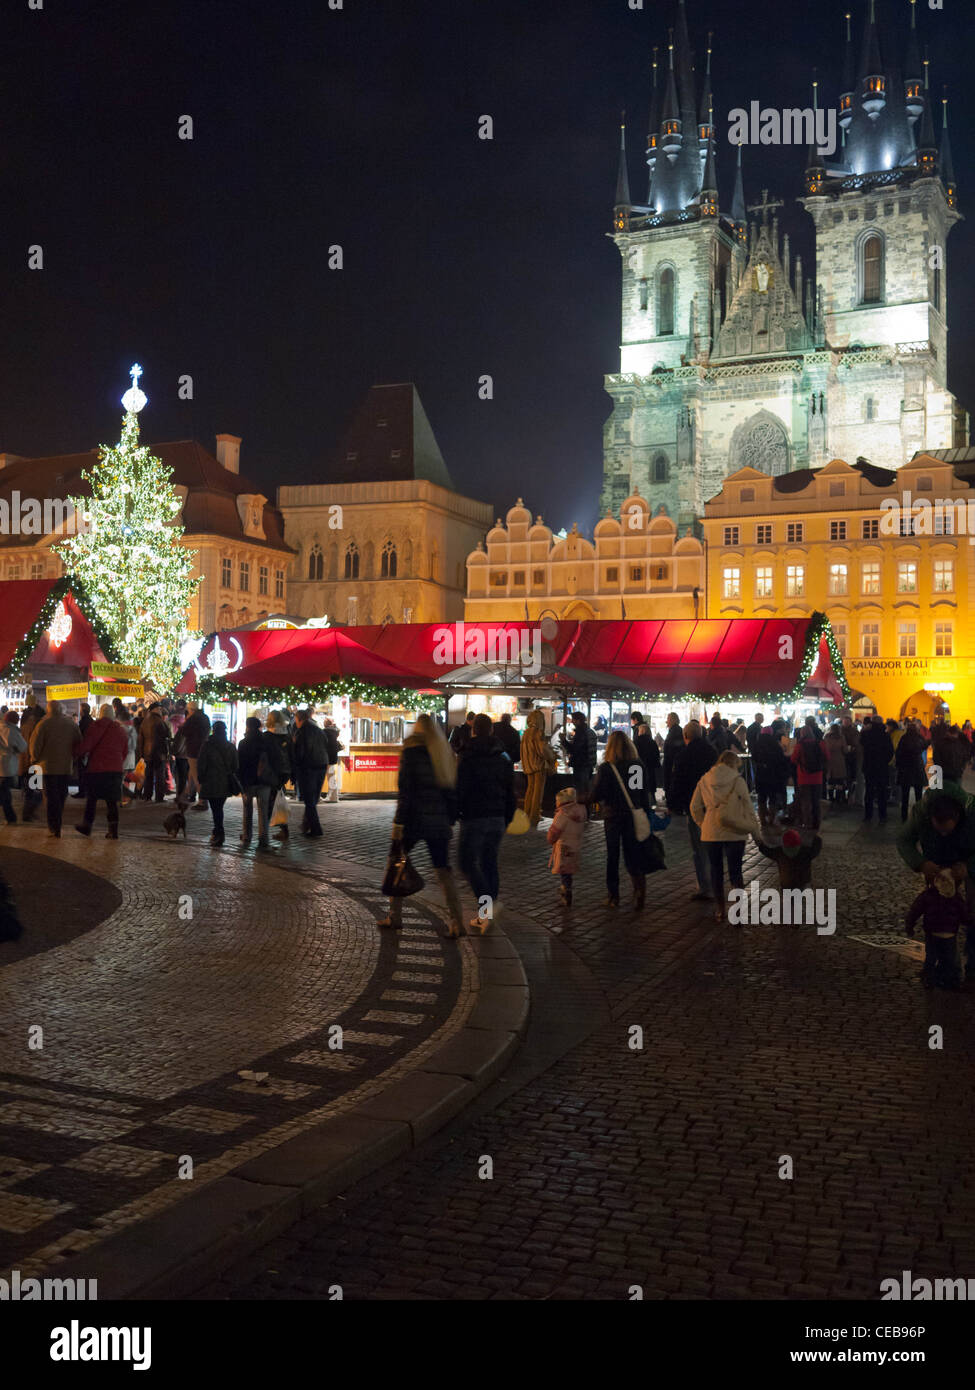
x: 156, y: 972
x: 662, y: 1167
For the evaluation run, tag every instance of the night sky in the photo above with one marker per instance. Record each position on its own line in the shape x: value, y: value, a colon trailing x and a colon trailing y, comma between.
x: 359, y: 127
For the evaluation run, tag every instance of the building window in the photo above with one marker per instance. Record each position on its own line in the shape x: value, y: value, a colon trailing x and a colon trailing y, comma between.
x: 763, y: 535
x: 906, y: 527
x: 519, y: 579
x: 13, y: 571
x: 870, y: 576
x: 837, y: 579
x: 870, y: 639
x: 872, y: 269
x: 944, y: 521
x: 870, y: 528
x: 636, y: 574
x: 763, y: 581
x: 732, y: 535
x: 316, y: 563
x: 352, y: 562
x: 837, y: 530
x: 944, y: 576
x: 907, y: 577
x: 663, y: 574
x: 936, y: 288
x: 538, y: 577
x: 279, y: 583
x: 907, y: 639
x: 795, y: 581
x: 731, y: 585
x: 870, y: 409
x: 665, y: 302
x: 839, y: 632
x: 660, y: 468
x: 262, y: 580
x: 499, y: 579
x: 924, y: 484
x: 794, y: 532
x: 245, y: 576
x: 942, y: 639
x: 612, y: 575
x: 37, y: 571
x: 837, y: 488
x: 387, y: 564
x: 226, y: 574
x: 746, y: 494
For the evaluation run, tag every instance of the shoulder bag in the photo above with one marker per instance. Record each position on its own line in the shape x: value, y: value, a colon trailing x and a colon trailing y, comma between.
x: 641, y: 821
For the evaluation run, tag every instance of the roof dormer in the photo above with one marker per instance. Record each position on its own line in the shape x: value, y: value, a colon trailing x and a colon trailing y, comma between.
x: 250, y: 509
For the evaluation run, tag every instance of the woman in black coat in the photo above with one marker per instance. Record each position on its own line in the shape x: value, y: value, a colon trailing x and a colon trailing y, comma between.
x: 649, y: 755
x: 617, y: 817
x: 217, y: 769
x: 426, y: 810
x: 909, y: 759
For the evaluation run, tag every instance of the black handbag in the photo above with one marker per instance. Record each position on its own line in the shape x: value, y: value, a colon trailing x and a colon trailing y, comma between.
x: 651, y: 854
x: 401, y: 879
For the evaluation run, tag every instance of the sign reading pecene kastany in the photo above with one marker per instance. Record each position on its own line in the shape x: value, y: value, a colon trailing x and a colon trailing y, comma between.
x: 116, y: 688
x: 78, y: 691
x: 115, y: 671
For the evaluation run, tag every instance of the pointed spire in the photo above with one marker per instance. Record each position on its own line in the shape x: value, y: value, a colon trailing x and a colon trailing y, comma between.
x: 815, y: 168
x: 738, y: 202
x: 709, y: 185
x: 849, y: 79
x: 913, y: 98
x: 671, y: 138
x: 684, y: 62
x: 653, y: 130
x: 621, y: 217
x: 927, y: 148
x: 873, y: 81
x: 704, y: 116
x: 945, y: 162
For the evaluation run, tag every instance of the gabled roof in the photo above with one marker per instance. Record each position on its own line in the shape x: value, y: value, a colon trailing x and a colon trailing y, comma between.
x: 389, y: 439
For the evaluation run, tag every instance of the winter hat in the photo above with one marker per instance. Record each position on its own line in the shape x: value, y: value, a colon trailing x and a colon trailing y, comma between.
x: 565, y: 797
x: 945, y: 883
x: 791, y: 843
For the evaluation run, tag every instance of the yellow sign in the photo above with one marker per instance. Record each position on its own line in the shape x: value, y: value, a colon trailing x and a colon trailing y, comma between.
x: 115, y: 671
x: 114, y: 688
x: 78, y: 691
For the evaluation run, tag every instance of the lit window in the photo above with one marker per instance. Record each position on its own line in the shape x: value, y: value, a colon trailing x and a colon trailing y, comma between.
x: 245, y: 576
x: 872, y: 254
x: 907, y: 639
x: 870, y: 576
x: 37, y: 571
x: 944, y: 576
x: 13, y: 572
x: 907, y: 577
x: 870, y: 528
x: 839, y: 632
x: 942, y: 639
x: 731, y: 587
x: 870, y: 639
x: 226, y: 573
x: 795, y: 581
x: 837, y: 579
x: 279, y: 583
x: 262, y: 580
x: 906, y: 527
x: 763, y: 581
x: 944, y: 520
x: 763, y: 535
x: 794, y: 532
x: 732, y: 535
x: 837, y: 530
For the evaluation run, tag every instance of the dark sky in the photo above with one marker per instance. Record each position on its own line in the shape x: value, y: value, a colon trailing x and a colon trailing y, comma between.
x: 358, y: 127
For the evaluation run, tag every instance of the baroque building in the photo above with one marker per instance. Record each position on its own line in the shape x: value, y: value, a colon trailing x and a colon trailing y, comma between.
x: 634, y: 567
x: 386, y: 536
x: 732, y: 353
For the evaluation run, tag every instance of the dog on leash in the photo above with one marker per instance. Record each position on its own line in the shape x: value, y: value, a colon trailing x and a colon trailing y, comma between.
x: 176, y: 821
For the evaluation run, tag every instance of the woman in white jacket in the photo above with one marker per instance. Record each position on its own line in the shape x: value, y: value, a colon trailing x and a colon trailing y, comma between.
x: 722, y: 808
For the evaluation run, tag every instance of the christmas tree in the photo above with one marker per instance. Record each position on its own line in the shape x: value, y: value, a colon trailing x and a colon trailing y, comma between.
x: 128, y: 553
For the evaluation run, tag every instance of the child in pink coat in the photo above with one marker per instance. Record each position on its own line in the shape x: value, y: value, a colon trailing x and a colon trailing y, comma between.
x: 565, y: 833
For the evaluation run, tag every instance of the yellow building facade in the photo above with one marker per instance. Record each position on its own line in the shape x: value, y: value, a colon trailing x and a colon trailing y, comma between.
x: 887, y: 556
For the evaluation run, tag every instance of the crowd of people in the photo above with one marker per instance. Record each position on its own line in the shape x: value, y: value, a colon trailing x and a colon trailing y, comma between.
x: 163, y: 750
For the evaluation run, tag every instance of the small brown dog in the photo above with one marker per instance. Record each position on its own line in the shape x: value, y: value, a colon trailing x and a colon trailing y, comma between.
x: 176, y: 821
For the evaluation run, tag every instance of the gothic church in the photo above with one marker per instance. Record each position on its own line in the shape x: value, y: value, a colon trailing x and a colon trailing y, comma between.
x: 731, y: 354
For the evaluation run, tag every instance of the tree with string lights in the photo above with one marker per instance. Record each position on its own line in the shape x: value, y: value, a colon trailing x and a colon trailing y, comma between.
x: 128, y: 551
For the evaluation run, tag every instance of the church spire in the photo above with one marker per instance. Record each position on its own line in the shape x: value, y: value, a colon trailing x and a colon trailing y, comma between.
x: 913, y: 99
x: 738, y: 215
x: 621, y: 208
x: 705, y: 121
x: 927, y: 149
x: 671, y: 126
x: 946, y: 166
x: 709, y: 185
x: 846, y: 96
x: 815, y: 168
x: 653, y: 133
x: 873, y: 81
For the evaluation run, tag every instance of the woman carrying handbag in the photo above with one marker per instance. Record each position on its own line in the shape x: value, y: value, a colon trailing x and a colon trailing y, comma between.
x: 425, y: 810
x: 621, y: 791
x: 722, y: 808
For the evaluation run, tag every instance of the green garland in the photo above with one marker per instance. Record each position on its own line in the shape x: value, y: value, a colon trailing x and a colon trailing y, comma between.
x: 67, y: 584
x: 216, y: 689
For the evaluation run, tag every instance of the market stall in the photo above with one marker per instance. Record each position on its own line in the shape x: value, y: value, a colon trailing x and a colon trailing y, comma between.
x: 50, y: 636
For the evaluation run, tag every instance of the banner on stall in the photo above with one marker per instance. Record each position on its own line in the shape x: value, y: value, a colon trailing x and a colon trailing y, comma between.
x: 114, y: 688
x: 115, y: 671
x: 78, y: 691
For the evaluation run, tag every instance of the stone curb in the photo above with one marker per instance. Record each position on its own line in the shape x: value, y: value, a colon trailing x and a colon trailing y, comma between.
x: 170, y: 1255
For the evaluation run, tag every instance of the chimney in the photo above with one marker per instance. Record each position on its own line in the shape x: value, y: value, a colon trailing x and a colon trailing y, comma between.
x: 9, y: 458
x: 228, y: 452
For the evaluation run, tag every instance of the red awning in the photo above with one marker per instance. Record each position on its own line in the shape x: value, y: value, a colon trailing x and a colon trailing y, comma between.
x: 21, y: 602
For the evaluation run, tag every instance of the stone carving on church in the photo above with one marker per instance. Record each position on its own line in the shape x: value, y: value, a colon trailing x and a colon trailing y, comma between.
x: 762, y: 446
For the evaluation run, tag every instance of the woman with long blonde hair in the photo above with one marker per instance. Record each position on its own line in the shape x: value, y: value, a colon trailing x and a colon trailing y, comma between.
x: 537, y: 761
x: 621, y: 764
x: 426, y: 810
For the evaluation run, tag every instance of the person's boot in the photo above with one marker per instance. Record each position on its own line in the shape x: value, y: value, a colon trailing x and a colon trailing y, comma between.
x: 452, y: 898
x: 639, y: 890
x: 83, y: 829
x: 111, y: 833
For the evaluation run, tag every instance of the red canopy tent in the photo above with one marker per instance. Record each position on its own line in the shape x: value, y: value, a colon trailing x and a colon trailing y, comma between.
x: 27, y: 609
x: 328, y: 653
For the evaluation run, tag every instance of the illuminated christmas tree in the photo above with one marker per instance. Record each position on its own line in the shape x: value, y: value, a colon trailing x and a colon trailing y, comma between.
x: 129, y: 555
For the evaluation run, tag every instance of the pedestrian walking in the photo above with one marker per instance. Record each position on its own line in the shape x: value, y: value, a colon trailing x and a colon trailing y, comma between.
x: 105, y: 745
x: 155, y: 742
x: 649, y: 755
x: 581, y: 752
x: 565, y: 836
x: 877, y: 749
x: 29, y: 721
x: 538, y: 762
x: 310, y: 757
x: 834, y: 755
x: 277, y: 728
x: 485, y: 806
x: 673, y: 743
x: 909, y: 760
x: 619, y: 789
x: 942, y: 910
x: 426, y: 809
x: 12, y: 746
x: 694, y: 759
x: 194, y: 732
x: 721, y: 807
x: 260, y: 769
x: 217, y: 769
x: 808, y: 764
x: 54, y: 744
x: 85, y: 722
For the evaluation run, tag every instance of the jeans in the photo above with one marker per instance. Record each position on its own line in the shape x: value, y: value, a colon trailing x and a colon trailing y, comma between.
x: 619, y: 835
x: 701, y: 863
x: 216, y: 810
x: 941, y: 965
x: 876, y: 791
x: 309, y: 782
x: 56, y: 793
x: 262, y: 795
x: 735, y: 850
x: 480, y: 840
x: 6, y: 803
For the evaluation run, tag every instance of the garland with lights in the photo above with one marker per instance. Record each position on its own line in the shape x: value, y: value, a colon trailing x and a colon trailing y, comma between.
x: 217, y: 689
x: 67, y: 584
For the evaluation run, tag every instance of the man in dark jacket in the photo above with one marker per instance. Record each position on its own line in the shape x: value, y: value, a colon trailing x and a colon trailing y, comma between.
x: 772, y: 772
x: 690, y: 765
x: 582, y: 751
x: 486, y: 805
x: 509, y: 738
x: 310, y: 756
x: 460, y: 738
x: 877, y: 748
x: 194, y: 732
x: 673, y: 743
x: 154, y: 741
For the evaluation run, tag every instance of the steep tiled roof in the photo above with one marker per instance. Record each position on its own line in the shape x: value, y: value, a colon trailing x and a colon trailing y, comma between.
x: 389, y: 439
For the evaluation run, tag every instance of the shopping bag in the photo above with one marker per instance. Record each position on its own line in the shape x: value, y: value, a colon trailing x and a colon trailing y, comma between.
x: 519, y: 823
